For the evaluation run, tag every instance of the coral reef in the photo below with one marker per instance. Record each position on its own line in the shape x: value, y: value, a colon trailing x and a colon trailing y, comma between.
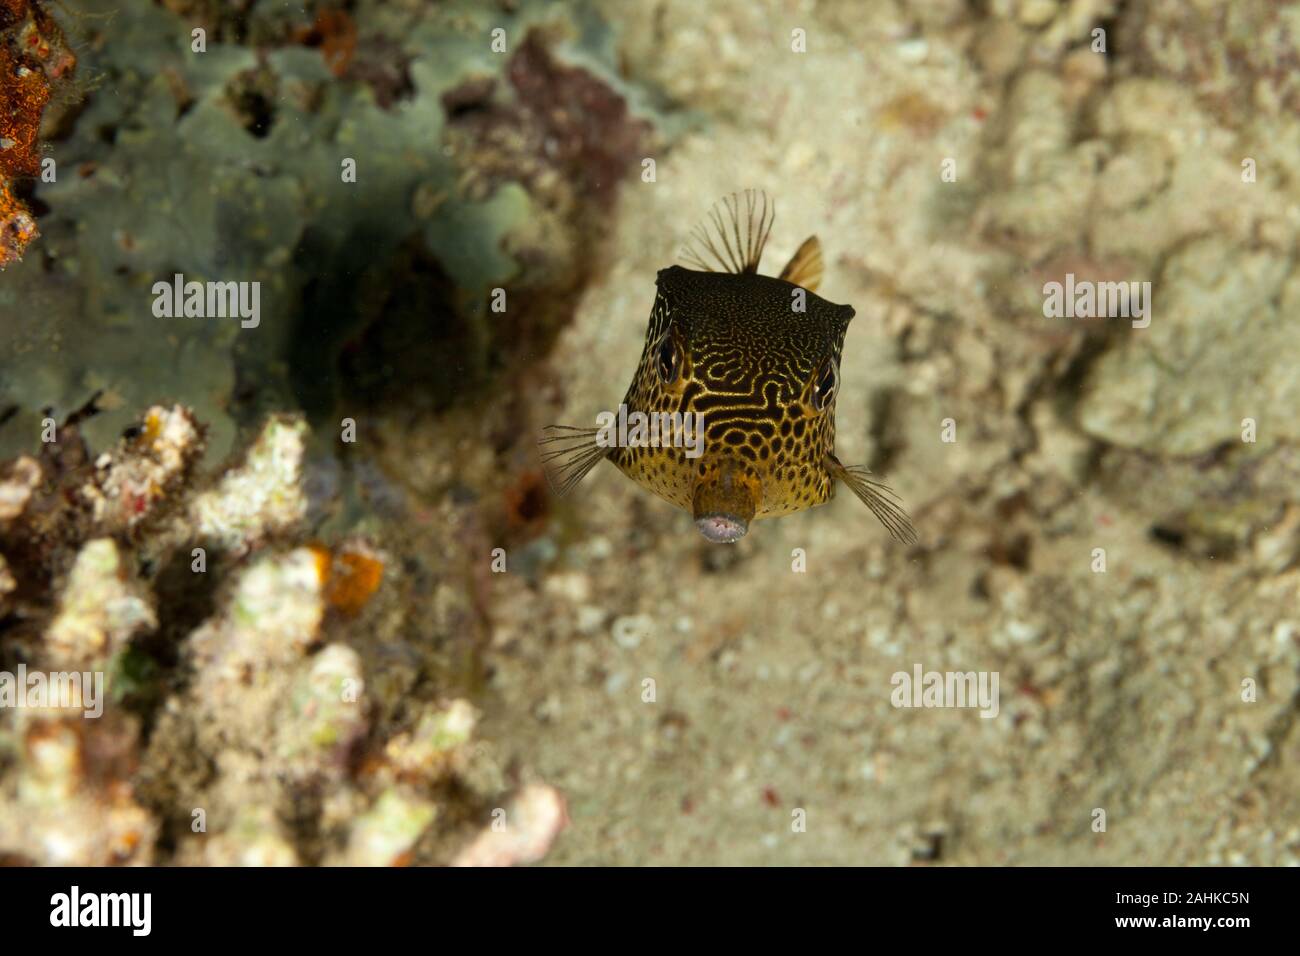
x: 375, y: 281
x: 340, y: 618
x: 268, y: 703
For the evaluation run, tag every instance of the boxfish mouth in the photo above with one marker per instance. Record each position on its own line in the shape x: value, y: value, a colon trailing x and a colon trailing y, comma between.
x: 722, y: 528
x: 726, y: 500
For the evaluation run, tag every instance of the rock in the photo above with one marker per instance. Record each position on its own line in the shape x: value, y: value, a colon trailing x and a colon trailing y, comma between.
x: 1216, y: 353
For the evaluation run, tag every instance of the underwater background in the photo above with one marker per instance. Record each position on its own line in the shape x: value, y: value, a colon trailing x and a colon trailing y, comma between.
x: 340, y: 617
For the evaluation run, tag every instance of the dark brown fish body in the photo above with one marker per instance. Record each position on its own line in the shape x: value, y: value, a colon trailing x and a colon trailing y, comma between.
x: 749, y: 361
x: 757, y: 358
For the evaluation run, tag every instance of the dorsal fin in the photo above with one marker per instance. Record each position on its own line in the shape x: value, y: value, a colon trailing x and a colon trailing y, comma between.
x: 805, y: 266
x: 740, y: 226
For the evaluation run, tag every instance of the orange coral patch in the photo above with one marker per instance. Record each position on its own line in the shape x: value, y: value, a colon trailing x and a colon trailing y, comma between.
x: 33, y: 51
x: 23, y: 95
x: 355, y: 579
x: 17, y: 227
x: 350, y: 578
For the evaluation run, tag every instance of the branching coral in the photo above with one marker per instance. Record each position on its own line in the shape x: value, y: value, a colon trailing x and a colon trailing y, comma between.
x: 309, y: 747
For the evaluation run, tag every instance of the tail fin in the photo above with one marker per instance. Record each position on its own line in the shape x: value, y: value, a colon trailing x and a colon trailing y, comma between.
x: 805, y: 266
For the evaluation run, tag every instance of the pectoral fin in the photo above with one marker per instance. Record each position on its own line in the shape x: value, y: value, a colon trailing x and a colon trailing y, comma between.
x: 569, y: 454
x: 805, y: 266
x: 877, y: 496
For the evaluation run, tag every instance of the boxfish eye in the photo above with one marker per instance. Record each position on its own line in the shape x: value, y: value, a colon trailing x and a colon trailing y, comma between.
x: 667, y: 360
x: 824, y: 389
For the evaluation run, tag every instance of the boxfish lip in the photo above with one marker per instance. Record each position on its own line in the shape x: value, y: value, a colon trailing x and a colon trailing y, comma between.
x: 722, y: 528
